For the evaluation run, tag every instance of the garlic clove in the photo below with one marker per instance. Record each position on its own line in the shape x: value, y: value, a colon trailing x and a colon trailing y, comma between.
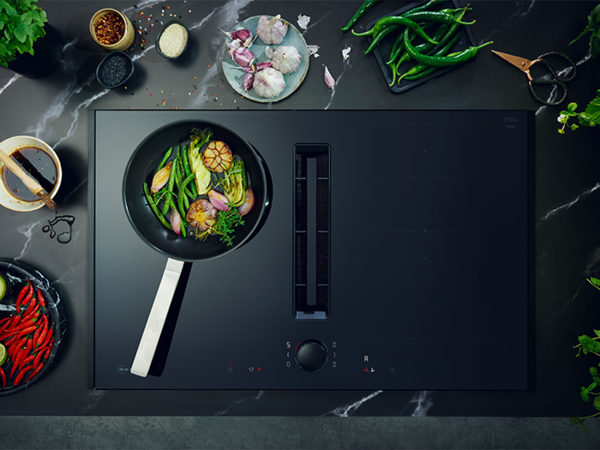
x: 161, y: 178
x: 263, y: 66
x: 247, y: 82
x: 303, y: 21
x: 269, y: 83
x: 232, y: 46
x: 271, y: 31
x: 329, y: 81
x: 243, y: 56
x: 286, y: 59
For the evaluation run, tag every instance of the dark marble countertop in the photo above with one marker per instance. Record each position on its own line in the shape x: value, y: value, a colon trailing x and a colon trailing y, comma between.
x: 56, y: 109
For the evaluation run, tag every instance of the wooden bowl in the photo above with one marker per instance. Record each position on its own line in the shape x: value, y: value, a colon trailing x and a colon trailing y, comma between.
x: 128, y: 36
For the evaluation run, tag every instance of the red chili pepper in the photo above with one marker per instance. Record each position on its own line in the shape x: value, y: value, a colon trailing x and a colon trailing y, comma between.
x: 26, y: 360
x: 44, y: 331
x: 15, y: 321
x: 6, y: 319
x: 25, y: 323
x: 22, y: 355
x: 27, y: 297
x: 22, y: 293
x: 41, y: 298
x: 26, y: 331
x: 3, y: 376
x: 36, y: 371
x: 14, y: 348
x: 49, y: 335
x: 48, y: 350
x: 9, y: 341
x: 22, y: 374
x: 6, y: 324
x: 31, y: 312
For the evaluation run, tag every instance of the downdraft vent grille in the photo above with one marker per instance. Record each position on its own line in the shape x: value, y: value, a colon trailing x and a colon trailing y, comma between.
x: 311, y: 231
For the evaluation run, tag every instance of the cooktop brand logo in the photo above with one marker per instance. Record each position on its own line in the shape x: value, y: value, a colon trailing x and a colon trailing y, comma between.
x: 510, y: 120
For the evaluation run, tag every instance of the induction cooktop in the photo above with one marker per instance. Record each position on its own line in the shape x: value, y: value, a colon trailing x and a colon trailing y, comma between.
x: 395, y: 255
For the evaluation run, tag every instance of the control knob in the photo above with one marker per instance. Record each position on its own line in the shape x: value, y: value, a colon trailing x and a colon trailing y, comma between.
x: 311, y: 355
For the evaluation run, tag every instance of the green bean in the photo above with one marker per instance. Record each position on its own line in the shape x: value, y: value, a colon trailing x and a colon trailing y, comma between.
x: 164, y: 160
x: 188, y: 172
x: 169, y: 194
x: 154, y: 208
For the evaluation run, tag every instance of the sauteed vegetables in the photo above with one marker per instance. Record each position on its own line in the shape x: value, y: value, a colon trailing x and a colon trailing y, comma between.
x: 203, y: 187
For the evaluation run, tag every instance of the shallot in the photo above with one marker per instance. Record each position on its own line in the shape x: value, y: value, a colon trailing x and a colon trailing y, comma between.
x: 271, y: 31
x: 286, y: 59
x: 161, y: 178
x: 244, y: 36
x: 269, y: 83
x: 176, y: 221
x: 248, y: 204
x: 218, y: 200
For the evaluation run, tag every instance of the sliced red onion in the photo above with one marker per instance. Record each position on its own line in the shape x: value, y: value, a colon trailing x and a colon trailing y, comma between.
x: 218, y: 200
x: 176, y: 221
x: 263, y: 66
x: 243, y: 56
x: 248, y: 204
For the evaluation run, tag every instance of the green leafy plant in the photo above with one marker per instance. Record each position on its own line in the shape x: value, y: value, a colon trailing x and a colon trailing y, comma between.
x: 587, y: 345
x: 21, y: 24
x: 594, y: 28
x: 588, y: 118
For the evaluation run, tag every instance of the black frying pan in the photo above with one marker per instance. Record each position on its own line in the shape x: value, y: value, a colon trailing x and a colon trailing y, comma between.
x: 140, y: 170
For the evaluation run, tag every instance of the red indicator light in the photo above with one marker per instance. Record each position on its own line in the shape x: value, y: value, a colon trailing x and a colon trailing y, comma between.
x: 366, y: 369
x: 258, y: 368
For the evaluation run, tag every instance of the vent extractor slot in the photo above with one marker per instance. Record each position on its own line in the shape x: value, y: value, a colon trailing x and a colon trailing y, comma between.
x: 311, y: 288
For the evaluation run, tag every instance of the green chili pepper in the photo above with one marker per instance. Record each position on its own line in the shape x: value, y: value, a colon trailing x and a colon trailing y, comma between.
x: 399, y: 44
x: 367, y: 5
x: 395, y: 20
x: 436, y: 16
x: 419, y: 68
x: 154, y: 208
x: 441, y: 61
x: 164, y: 160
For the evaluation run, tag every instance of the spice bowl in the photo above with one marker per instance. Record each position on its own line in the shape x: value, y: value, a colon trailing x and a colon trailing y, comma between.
x: 38, y: 159
x: 172, y: 41
x: 114, y: 70
x: 112, y: 29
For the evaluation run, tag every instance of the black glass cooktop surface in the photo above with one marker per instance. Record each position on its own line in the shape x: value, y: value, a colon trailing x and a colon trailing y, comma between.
x: 395, y: 255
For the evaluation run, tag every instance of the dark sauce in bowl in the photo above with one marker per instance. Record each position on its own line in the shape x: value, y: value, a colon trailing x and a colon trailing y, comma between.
x: 39, y: 165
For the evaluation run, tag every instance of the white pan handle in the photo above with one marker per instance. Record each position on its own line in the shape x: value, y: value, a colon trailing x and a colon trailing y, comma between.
x: 156, y: 319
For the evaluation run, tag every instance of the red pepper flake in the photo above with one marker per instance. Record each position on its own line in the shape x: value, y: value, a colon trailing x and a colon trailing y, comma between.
x: 110, y: 29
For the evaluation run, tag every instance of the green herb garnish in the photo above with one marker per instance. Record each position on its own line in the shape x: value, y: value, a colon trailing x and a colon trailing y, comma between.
x: 226, y: 223
x: 588, y: 118
x: 594, y: 28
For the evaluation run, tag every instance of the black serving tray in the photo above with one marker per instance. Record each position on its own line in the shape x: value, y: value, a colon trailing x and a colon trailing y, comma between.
x: 382, y: 51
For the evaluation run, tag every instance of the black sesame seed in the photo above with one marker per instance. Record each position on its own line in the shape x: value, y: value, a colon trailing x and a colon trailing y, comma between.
x: 114, y: 70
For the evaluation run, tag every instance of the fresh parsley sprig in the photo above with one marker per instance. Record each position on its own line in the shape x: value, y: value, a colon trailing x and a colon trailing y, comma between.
x: 593, y: 27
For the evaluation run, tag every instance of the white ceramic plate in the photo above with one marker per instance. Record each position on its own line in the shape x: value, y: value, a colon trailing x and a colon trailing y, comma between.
x: 292, y: 81
x: 9, y: 146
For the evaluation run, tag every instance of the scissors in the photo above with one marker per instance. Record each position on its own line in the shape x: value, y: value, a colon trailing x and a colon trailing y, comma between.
x: 553, y: 78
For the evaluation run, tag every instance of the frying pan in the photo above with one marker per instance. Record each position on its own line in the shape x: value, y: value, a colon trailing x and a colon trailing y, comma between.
x: 140, y: 170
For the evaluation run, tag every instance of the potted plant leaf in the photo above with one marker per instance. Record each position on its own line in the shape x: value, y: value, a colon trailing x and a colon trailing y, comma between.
x: 28, y: 44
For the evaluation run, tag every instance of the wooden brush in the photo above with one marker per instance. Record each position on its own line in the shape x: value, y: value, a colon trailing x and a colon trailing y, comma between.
x: 27, y: 180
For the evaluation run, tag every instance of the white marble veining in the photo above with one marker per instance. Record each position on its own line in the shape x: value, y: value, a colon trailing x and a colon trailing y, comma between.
x: 423, y: 401
x: 566, y: 206
x: 348, y: 410
x: 347, y: 64
x: 93, y: 398
x: 523, y: 8
x: 11, y: 81
x: 27, y: 231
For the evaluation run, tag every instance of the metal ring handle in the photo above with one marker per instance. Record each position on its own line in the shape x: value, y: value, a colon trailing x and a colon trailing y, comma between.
x: 552, y: 71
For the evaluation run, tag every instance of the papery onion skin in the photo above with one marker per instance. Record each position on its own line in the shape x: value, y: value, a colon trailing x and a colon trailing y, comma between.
x: 269, y: 83
x: 218, y: 200
x: 286, y: 59
x: 271, y: 31
x: 248, y: 204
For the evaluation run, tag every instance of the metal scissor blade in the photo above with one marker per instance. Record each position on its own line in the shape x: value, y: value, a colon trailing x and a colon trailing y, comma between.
x: 520, y: 63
